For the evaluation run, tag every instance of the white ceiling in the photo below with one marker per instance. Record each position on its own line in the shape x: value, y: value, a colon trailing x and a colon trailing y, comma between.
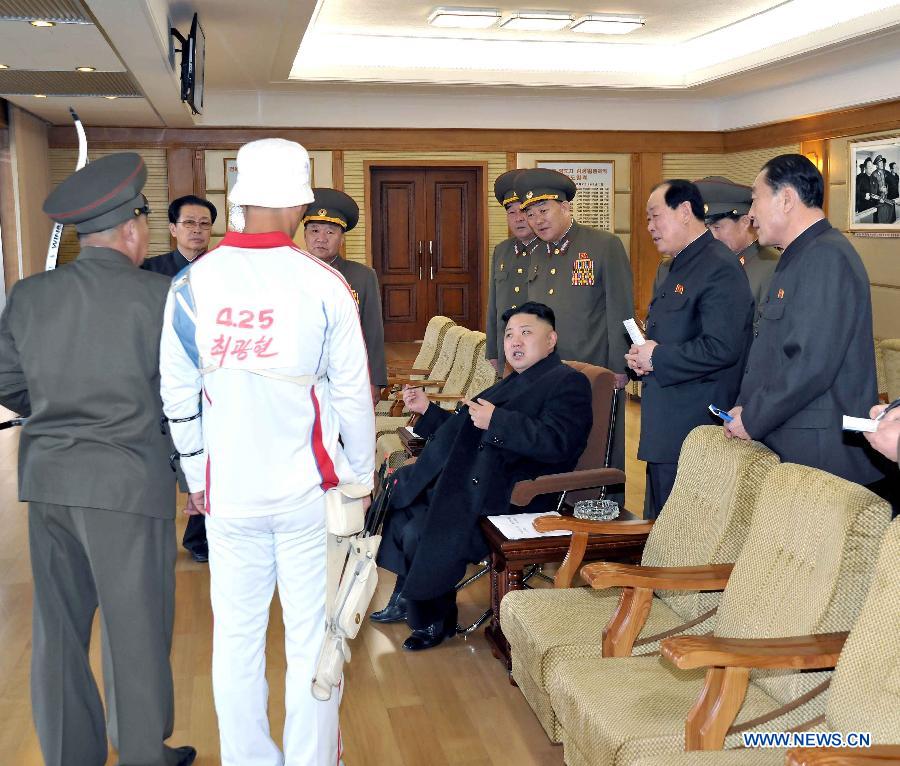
x: 706, y: 65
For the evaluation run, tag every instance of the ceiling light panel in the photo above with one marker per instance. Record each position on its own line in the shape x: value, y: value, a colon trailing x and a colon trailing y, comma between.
x: 607, y: 24
x: 537, y: 21
x: 463, y: 18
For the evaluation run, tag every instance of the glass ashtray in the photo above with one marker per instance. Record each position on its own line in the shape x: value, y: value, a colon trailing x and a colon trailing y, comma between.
x: 596, y: 510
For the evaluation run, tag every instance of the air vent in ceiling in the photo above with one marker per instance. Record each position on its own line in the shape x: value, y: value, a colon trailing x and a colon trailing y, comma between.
x: 17, y: 82
x: 60, y: 11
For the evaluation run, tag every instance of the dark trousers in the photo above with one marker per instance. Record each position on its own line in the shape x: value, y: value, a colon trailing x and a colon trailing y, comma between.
x: 195, y: 535
x: 123, y: 563
x: 402, y: 533
x: 660, y: 480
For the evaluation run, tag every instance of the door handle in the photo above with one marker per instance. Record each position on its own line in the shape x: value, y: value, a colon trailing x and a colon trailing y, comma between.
x: 420, y: 260
x: 430, y: 260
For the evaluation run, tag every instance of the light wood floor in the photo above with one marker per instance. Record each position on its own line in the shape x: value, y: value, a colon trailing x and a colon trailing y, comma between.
x: 449, y: 705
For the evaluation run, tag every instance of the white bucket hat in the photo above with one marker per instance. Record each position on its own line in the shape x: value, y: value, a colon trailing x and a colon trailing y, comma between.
x: 272, y: 172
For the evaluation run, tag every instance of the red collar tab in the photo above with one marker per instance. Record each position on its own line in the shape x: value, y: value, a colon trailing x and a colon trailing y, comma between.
x: 261, y: 241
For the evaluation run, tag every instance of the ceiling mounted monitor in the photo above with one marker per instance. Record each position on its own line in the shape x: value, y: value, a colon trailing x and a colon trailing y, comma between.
x: 193, y: 57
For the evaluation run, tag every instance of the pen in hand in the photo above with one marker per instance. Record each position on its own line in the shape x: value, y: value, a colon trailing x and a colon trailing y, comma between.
x: 893, y: 405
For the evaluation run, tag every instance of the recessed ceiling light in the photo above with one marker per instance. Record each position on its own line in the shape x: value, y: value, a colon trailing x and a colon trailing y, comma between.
x: 607, y: 24
x: 39, y: 95
x: 4, y: 66
x: 85, y: 69
x: 464, y: 18
x: 43, y: 23
x: 110, y: 98
x: 537, y: 21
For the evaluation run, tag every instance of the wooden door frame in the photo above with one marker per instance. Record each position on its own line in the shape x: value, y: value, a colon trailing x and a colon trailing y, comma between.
x: 481, y: 168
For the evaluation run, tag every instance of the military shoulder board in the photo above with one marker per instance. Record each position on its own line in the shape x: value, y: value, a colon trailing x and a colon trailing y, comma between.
x: 583, y: 270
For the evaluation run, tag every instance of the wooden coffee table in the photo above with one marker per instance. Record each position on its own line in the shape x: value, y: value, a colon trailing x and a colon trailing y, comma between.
x: 510, y: 557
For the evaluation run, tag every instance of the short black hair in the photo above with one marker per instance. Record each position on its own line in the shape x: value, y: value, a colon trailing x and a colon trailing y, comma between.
x: 191, y: 199
x: 540, y: 310
x: 893, y: 164
x: 681, y: 190
x: 798, y: 172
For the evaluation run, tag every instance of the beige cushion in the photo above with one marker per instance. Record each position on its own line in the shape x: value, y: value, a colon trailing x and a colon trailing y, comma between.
x: 890, y: 354
x: 758, y: 757
x: 804, y: 568
x: 703, y: 522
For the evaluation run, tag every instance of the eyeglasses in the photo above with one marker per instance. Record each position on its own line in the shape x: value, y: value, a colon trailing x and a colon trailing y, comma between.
x: 190, y: 223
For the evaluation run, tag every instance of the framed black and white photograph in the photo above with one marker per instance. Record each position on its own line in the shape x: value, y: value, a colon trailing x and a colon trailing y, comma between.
x: 873, y: 181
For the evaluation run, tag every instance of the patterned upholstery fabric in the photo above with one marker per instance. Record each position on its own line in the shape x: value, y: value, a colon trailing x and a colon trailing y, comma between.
x: 890, y: 353
x: 435, y: 332
x: 865, y: 688
x: 703, y: 522
x: 804, y: 568
x: 442, y: 366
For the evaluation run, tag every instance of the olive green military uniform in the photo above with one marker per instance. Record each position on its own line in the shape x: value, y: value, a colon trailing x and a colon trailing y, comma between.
x: 510, y: 271
x: 585, y: 278
x: 336, y: 207
x: 759, y: 264
x: 79, y: 354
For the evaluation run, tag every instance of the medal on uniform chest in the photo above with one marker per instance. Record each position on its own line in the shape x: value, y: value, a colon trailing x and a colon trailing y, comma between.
x: 780, y: 294
x: 582, y: 270
x: 679, y: 288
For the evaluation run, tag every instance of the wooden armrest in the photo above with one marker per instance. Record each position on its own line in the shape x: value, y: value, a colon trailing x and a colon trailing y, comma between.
x: 816, y: 652
x: 444, y: 397
x: 406, y: 369
x: 877, y: 755
x: 525, y: 491
x: 394, y: 381
x: 613, y: 527
x: 607, y: 574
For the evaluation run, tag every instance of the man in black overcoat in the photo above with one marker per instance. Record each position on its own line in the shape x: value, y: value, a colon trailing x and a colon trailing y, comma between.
x: 699, y: 327
x: 814, y: 358
x: 535, y: 421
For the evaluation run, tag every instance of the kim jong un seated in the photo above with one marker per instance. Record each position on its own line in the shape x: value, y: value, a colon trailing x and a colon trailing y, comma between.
x: 535, y: 421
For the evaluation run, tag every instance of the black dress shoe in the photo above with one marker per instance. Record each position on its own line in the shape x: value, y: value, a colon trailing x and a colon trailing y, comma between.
x: 395, y: 611
x: 186, y: 755
x: 432, y: 635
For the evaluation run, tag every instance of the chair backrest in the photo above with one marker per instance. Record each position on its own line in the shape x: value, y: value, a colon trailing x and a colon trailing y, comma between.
x: 435, y: 331
x: 483, y: 376
x: 707, y: 516
x: 865, y: 688
x: 464, y: 362
x: 805, y: 567
x: 447, y: 352
x: 603, y: 383
x: 890, y: 355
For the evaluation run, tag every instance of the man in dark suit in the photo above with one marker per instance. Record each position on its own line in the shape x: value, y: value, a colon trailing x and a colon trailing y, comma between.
x: 893, y: 182
x: 190, y: 223
x: 813, y: 360
x: 79, y: 354
x: 698, y: 329
x: 535, y: 421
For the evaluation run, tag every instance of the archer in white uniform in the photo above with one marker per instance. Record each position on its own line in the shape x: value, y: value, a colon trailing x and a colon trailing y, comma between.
x: 263, y: 367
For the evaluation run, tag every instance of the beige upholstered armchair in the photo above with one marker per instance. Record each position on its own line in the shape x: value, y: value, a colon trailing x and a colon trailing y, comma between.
x: 863, y: 693
x: 704, y: 522
x: 805, y: 568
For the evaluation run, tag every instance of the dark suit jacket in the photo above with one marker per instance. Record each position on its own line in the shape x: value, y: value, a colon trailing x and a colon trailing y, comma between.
x: 79, y: 351
x: 168, y: 265
x: 814, y: 358
x: 540, y: 426
x: 701, y: 316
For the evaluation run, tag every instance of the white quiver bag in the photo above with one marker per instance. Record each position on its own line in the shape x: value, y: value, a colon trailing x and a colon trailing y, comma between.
x: 352, y: 575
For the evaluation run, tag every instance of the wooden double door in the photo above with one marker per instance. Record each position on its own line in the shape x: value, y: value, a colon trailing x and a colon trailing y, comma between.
x: 426, y: 241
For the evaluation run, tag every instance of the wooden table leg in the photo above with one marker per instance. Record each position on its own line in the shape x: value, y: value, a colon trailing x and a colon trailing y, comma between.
x: 504, y: 578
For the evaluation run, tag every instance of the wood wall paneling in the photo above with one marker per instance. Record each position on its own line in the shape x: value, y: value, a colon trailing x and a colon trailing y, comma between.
x: 337, y: 170
x: 646, y: 172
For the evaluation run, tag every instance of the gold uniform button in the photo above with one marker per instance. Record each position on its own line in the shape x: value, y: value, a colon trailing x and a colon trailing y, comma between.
x: 519, y: 271
x: 550, y: 291
x: 514, y: 306
x: 552, y: 271
x: 501, y: 267
x: 556, y: 251
x: 517, y: 288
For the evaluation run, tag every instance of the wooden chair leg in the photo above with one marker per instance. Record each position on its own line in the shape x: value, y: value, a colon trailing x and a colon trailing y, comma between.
x: 627, y: 622
x: 566, y: 572
x: 716, y: 708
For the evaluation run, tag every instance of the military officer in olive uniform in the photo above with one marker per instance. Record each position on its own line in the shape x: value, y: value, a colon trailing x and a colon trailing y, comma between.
x: 727, y: 208
x: 328, y: 216
x: 79, y: 355
x: 510, y: 267
x: 583, y: 274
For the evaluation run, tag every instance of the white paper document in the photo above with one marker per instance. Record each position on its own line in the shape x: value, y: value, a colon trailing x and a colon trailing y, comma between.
x: 519, y: 526
x: 859, y: 424
x: 412, y: 433
x: 634, y: 332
